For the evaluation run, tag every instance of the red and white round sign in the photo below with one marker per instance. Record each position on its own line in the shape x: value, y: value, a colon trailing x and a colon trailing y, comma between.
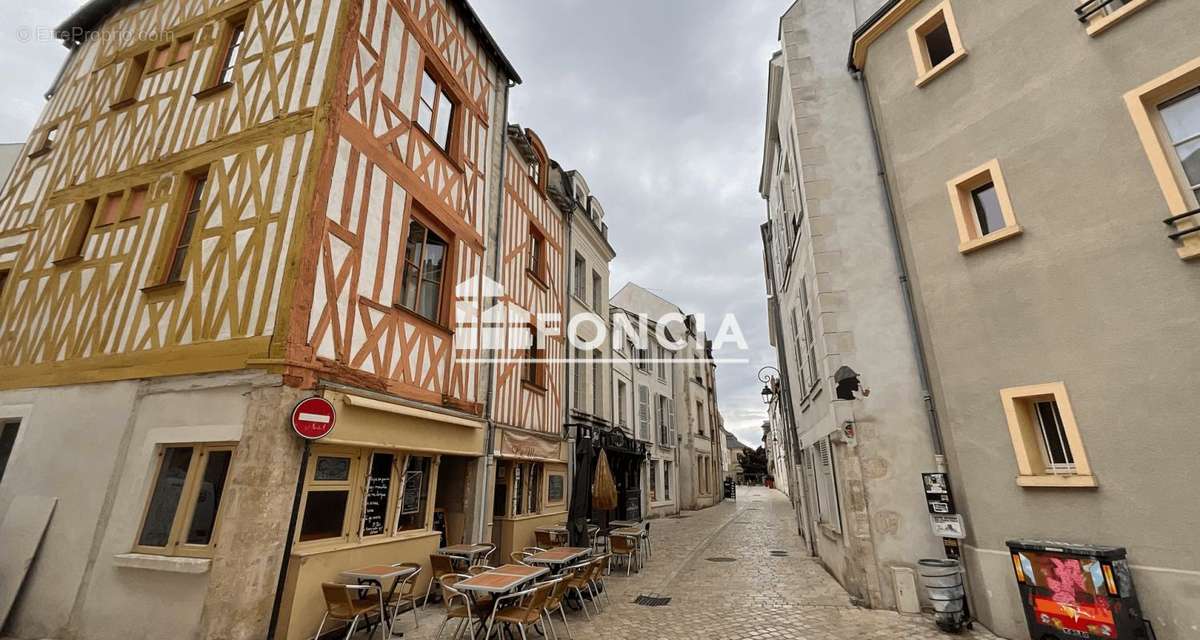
x: 313, y: 418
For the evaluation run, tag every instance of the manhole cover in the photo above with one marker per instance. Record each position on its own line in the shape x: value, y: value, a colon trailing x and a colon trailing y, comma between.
x: 721, y: 559
x: 652, y: 600
x: 778, y: 554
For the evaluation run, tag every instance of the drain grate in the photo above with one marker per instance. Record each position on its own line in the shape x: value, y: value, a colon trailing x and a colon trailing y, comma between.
x: 721, y: 559
x: 652, y: 600
x: 779, y: 554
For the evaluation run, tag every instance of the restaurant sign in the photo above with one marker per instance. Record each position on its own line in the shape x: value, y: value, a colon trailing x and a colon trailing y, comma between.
x: 519, y: 445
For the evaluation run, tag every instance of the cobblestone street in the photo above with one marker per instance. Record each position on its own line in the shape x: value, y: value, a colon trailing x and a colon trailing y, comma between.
x: 757, y: 595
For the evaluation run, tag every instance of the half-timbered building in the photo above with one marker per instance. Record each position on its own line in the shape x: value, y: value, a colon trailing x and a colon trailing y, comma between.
x: 529, y: 480
x: 228, y: 205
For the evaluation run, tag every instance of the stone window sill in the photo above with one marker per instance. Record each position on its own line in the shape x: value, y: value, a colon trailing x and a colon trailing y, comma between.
x: 1058, y: 481
x: 169, y: 564
x: 991, y: 238
x: 945, y: 65
x: 1100, y: 24
x: 828, y: 531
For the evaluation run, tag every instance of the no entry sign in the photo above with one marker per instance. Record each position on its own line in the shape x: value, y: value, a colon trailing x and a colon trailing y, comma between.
x: 313, y: 418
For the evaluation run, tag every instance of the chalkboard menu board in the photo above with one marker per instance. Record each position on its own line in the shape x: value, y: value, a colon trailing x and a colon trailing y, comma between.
x: 379, y: 485
x: 411, y: 502
x: 555, y: 492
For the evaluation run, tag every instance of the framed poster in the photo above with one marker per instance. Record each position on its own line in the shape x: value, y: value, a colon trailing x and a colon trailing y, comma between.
x: 557, y: 483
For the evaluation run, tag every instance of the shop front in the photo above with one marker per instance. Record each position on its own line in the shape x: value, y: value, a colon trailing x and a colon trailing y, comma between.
x: 625, y: 457
x: 391, y: 483
x: 529, y: 489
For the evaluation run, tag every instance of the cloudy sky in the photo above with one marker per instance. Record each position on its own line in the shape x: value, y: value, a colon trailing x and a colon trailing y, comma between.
x: 658, y: 103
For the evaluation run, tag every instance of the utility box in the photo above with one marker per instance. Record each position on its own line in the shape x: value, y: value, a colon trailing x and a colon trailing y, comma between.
x: 1073, y: 591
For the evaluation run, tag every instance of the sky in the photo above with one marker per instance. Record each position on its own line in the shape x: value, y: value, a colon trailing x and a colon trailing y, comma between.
x: 660, y: 104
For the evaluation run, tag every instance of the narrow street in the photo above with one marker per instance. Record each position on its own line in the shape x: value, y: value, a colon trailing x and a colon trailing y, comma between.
x: 733, y: 571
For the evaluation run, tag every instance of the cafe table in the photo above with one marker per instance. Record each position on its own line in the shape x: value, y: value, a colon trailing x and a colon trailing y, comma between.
x: 557, y: 531
x: 467, y: 552
x: 558, y: 556
x: 501, y: 580
x: 624, y: 523
x: 376, y: 575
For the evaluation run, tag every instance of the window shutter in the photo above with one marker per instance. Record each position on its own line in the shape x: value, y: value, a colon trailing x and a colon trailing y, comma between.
x: 670, y: 419
x: 644, y: 410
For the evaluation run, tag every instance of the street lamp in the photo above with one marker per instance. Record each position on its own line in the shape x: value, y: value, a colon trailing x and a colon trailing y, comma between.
x: 770, y: 383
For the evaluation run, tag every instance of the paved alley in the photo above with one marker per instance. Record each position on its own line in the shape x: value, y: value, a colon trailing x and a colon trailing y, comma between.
x: 724, y: 581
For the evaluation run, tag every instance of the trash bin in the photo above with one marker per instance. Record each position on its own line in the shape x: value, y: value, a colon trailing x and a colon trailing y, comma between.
x: 1077, y: 591
x: 943, y: 582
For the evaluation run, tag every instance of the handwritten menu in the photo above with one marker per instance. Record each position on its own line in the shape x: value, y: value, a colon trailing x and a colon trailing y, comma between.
x: 379, y: 486
x: 411, y: 501
x: 555, y: 489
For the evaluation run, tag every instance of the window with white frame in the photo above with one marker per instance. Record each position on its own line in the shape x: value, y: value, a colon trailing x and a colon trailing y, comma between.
x: 654, y: 468
x: 598, y: 383
x: 798, y: 346
x: 1181, y: 119
x: 578, y: 374
x: 1056, y: 450
x: 580, y: 278
x: 666, y: 480
x: 622, y: 403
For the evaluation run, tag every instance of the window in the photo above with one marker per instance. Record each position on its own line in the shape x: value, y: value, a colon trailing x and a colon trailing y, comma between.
x: 580, y: 284
x: 983, y: 212
x: 700, y: 417
x: 45, y: 141
x: 4, y: 273
x: 377, y: 499
x: 1045, y: 437
x: 1181, y: 119
x: 536, y: 253
x: 809, y: 356
x: 644, y: 411
x: 235, y: 34
x: 183, y: 49
x: 533, y: 370
x: 413, y: 511
x: 1166, y: 115
x: 327, y: 496
x: 110, y: 210
x: 828, y: 507
x: 578, y: 374
x: 187, y: 227
x: 666, y: 480
x: 598, y: 385
x: 936, y: 45
x: 622, y: 400
x: 435, y: 111
x: 424, y: 271
x: 185, y: 500
x: 135, y: 69
x: 654, y: 480
x: 526, y: 483
x: 662, y: 364
x: 77, y: 237
x: 666, y: 419
x: 8, y: 428
x: 798, y: 346
x: 597, y: 293
x: 120, y: 206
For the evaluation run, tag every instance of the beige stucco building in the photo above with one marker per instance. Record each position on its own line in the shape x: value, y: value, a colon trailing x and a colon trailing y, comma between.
x: 1033, y: 151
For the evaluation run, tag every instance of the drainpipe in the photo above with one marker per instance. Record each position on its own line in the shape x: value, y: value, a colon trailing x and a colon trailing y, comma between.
x: 914, y: 327
x: 481, y: 508
x: 789, y: 429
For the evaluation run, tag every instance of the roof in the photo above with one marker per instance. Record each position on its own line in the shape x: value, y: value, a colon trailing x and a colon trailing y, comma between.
x: 89, y: 16
x: 871, y: 22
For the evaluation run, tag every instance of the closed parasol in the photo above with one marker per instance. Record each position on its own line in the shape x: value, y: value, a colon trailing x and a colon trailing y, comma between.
x: 604, y: 487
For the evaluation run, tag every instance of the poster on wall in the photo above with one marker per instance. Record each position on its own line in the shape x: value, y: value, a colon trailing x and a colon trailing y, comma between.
x: 555, y: 491
x: 937, y: 494
x: 411, y: 502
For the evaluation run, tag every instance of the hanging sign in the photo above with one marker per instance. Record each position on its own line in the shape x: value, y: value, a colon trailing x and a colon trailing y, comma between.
x: 950, y: 526
x: 313, y: 418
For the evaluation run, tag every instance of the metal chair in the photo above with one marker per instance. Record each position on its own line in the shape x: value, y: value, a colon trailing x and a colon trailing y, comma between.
x: 598, y: 579
x: 406, y: 592
x: 646, y: 539
x: 519, y: 557
x: 624, y: 547
x: 486, y: 557
x: 341, y: 604
x: 528, y: 609
x: 594, y: 537
x: 555, y: 603
x: 578, y: 579
x: 464, y: 611
x: 440, y: 565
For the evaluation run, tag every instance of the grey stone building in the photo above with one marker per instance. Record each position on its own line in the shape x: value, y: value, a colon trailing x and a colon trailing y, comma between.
x: 839, y: 319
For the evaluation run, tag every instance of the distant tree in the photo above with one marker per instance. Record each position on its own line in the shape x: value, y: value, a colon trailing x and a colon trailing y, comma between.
x: 753, y: 461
